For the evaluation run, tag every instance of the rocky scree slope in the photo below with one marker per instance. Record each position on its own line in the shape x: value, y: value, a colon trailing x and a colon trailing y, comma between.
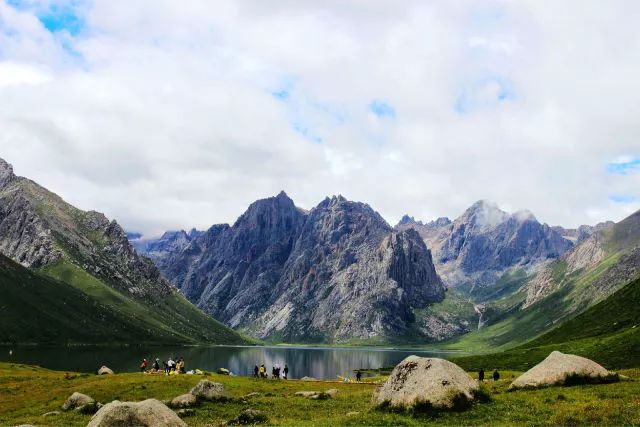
x: 336, y: 273
x: 41, y: 231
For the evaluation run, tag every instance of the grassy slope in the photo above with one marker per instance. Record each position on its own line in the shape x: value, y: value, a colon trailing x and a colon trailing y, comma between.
x: 574, y: 295
x: 608, y: 332
x: 172, y: 315
x: 73, y: 307
x: 26, y: 393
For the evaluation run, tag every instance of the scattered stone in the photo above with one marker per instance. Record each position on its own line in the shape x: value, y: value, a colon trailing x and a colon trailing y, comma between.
x: 426, y: 383
x: 308, y: 379
x: 353, y: 413
x: 51, y: 414
x: 307, y: 393
x: 148, y: 413
x: 332, y: 392
x: 105, y: 371
x: 183, y: 401
x: 77, y: 401
x: 223, y: 371
x: 183, y: 413
x: 250, y: 395
x: 208, y: 390
x: 563, y: 369
x: 249, y: 416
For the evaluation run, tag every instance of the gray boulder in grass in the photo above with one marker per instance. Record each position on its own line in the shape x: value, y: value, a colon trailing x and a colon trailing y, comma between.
x: 77, y: 401
x: 148, y: 413
x: 434, y: 383
x: 563, y: 369
x: 184, y: 401
x: 208, y: 390
x: 105, y: 371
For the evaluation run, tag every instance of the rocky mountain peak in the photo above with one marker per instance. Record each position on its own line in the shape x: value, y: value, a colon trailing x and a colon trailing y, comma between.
x: 336, y: 272
x: 408, y: 220
x: 6, y: 173
x: 483, y: 214
x: 524, y: 215
x: 442, y: 221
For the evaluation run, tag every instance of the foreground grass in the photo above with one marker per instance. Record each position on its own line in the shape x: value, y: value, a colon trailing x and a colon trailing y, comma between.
x: 26, y: 393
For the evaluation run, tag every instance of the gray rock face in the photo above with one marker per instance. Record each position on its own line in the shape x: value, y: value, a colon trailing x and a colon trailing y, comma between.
x: 148, y: 413
x: 426, y: 381
x: 335, y: 273
x: 482, y: 243
x: 38, y: 228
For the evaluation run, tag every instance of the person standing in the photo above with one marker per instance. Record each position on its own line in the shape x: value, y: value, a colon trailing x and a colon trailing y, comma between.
x: 255, y: 371
x: 481, y: 375
x: 496, y: 375
x: 358, y: 375
x: 286, y: 371
x: 143, y: 365
x: 263, y: 371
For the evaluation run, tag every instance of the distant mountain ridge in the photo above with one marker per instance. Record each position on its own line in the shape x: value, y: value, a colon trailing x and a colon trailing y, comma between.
x: 170, y: 241
x: 476, y: 248
x: 43, y: 233
x: 336, y: 273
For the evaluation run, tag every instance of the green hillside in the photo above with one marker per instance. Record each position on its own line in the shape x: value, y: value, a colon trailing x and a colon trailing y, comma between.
x: 608, y: 332
x: 79, y: 308
x: 573, y: 293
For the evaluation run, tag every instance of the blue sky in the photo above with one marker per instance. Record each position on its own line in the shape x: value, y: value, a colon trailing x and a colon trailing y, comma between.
x: 189, y: 111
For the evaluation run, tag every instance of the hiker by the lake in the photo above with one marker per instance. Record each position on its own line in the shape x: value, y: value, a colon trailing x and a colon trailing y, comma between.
x: 263, y: 371
x: 481, y: 375
x: 180, y: 365
x: 171, y: 365
x: 358, y: 375
x: 143, y: 365
x: 286, y: 371
x: 156, y: 365
x: 255, y: 371
x: 496, y: 375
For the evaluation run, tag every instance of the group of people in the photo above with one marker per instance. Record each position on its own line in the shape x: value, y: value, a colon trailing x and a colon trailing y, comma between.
x: 276, y: 371
x: 495, y: 376
x: 169, y: 367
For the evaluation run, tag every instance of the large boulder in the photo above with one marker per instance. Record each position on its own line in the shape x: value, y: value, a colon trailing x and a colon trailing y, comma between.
x: 77, y: 401
x: 148, y: 413
x: 563, y: 369
x: 208, y: 390
x: 427, y: 383
x: 105, y: 371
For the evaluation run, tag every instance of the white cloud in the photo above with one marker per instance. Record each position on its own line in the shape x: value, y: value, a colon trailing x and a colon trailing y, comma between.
x: 161, y: 113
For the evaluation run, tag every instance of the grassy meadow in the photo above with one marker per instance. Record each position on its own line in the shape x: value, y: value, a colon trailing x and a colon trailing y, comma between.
x: 28, y: 392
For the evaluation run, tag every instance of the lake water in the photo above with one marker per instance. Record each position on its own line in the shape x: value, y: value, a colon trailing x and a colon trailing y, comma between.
x: 318, y: 362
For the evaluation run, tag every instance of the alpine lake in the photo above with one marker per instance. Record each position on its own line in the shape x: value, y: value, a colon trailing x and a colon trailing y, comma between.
x: 311, y: 361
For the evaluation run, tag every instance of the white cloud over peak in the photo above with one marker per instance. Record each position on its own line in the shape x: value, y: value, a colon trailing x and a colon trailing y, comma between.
x: 169, y: 114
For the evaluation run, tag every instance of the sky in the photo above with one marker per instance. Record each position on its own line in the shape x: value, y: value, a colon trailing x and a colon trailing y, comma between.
x: 178, y: 114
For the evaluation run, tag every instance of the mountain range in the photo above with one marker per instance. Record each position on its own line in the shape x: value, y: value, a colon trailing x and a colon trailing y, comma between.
x: 59, y: 251
x: 335, y: 273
